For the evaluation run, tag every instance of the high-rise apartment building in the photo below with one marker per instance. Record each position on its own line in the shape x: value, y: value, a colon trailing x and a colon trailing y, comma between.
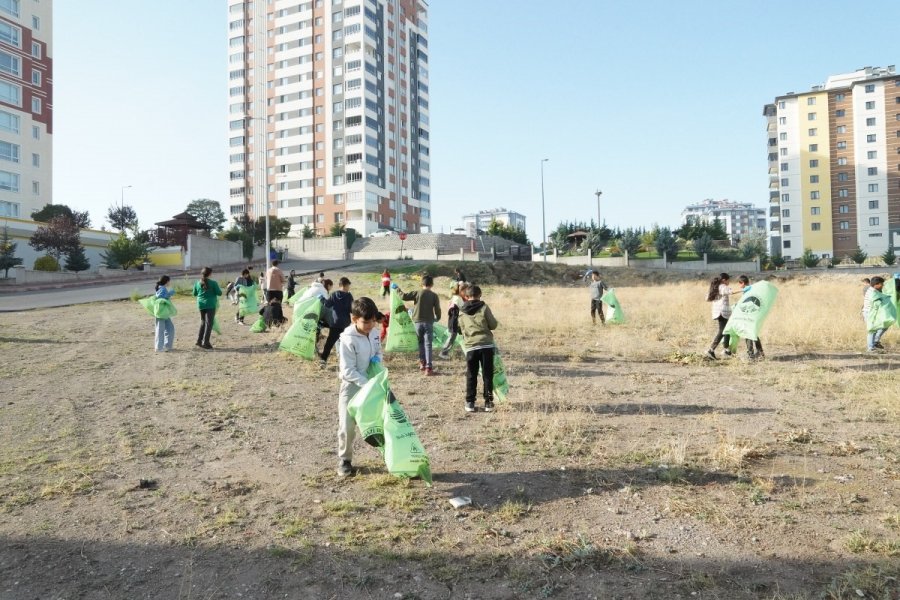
x: 741, y: 220
x: 834, y: 166
x: 328, y: 106
x: 26, y: 106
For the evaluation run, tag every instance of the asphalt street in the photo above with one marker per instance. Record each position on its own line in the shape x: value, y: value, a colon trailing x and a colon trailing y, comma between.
x: 103, y: 292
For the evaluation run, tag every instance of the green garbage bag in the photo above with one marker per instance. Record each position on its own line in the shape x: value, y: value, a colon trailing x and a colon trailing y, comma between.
x: 300, y: 338
x: 441, y: 335
x: 501, y: 385
x: 891, y: 291
x: 401, y: 334
x: 616, y: 314
x: 366, y: 407
x: 159, y: 308
x: 748, y: 315
x: 248, y: 300
x: 148, y: 304
x: 259, y: 326
x: 882, y: 313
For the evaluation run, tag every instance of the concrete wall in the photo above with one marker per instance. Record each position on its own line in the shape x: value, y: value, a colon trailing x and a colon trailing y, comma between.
x: 21, y: 230
x: 25, y: 276
x: 652, y: 263
x: 422, y: 254
x: 204, y: 251
x: 583, y: 261
x: 172, y: 257
x: 305, y: 248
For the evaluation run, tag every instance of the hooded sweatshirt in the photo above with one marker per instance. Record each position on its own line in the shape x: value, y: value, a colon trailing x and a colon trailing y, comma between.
x: 477, y: 322
x: 339, y: 304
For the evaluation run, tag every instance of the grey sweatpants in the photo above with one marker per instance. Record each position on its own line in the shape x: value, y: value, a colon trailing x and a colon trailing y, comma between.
x: 346, y: 424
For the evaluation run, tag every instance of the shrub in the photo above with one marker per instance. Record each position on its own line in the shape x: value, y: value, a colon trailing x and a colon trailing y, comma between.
x: 808, y: 259
x: 46, y: 263
x: 859, y: 256
x: 889, y: 257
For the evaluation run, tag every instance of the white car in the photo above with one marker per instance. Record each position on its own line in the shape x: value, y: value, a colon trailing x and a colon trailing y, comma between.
x: 381, y: 233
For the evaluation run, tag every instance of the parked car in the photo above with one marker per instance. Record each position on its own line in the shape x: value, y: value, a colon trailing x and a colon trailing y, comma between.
x: 381, y: 233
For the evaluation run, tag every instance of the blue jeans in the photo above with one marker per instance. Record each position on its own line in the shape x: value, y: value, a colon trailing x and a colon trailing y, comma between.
x: 165, y: 334
x: 425, y: 333
x: 874, y: 337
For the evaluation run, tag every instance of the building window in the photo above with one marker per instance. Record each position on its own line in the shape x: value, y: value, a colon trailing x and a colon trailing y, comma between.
x: 842, y: 161
x: 816, y: 226
x: 811, y: 116
x: 841, y: 145
x: 786, y: 213
x: 843, y: 193
x: 784, y: 166
x: 844, y: 209
x: 36, y: 188
x: 840, y: 112
x: 873, y: 187
x: 873, y: 204
x: 844, y: 224
x: 873, y: 170
x: 873, y: 221
x: 9, y: 122
x: 814, y: 195
x: 813, y: 147
x: 338, y: 217
x: 872, y: 154
x: 36, y: 106
x: 785, y: 181
x: 811, y: 101
x: 783, y: 151
x: 9, y: 209
x: 10, y: 34
x: 10, y: 7
x: 814, y: 210
x: 838, y: 97
x: 35, y: 160
x: 870, y: 105
x: 35, y: 50
x: 782, y: 136
x: 870, y: 137
x: 870, y: 122
x: 9, y: 181
x: 787, y: 243
x: 814, y: 179
x: 786, y: 228
x: 782, y: 120
x: 785, y: 197
x: 870, y: 87
x: 35, y: 132
x: 813, y: 163
x: 9, y: 152
x: 10, y: 93
x: 812, y: 132
x: 841, y: 129
x: 843, y: 176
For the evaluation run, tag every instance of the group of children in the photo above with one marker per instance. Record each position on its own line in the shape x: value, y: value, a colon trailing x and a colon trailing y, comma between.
x: 719, y: 294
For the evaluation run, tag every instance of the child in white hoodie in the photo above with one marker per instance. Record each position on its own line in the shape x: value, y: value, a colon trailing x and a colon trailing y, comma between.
x: 358, y: 346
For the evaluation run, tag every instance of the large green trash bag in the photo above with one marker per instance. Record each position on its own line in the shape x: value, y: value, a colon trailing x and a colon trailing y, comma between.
x: 300, y: 338
x: 882, y: 313
x: 148, y: 304
x: 748, y: 315
x: 401, y: 334
x: 616, y: 314
x: 259, y: 326
x: 248, y: 301
x: 159, y: 308
x: 366, y: 407
x: 501, y: 384
x: 440, y: 337
x: 891, y: 291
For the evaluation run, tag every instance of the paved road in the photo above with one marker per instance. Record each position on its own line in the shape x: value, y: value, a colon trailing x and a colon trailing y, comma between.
x: 66, y: 296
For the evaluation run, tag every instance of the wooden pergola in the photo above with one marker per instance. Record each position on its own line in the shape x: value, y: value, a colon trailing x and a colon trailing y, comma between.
x: 174, y: 232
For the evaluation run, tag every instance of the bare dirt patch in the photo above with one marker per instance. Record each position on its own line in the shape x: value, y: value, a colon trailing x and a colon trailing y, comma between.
x: 623, y: 465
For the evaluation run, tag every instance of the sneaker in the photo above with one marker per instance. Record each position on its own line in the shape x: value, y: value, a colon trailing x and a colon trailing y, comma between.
x: 728, y: 352
x: 488, y: 406
x: 429, y: 371
x: 237, y: 319
x: 470, y: 407
x: 207, y: 346
x: 344, y: 469
x: 199, y: 344
x: 443, y: 355
x: 872, y: 350
x: 421, y: 365
x: 760, y: 355
x: 879, y: 346
x: 321, y: 364
x: 711, y: 355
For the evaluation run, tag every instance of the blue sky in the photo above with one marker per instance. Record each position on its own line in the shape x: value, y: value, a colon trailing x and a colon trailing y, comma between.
x: 656, y: 103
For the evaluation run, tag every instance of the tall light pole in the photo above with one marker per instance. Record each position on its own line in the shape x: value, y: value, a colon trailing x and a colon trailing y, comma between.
x: 598, y: 193
x: 265, y: 168
x: 543, y: 213
x: 122, y: 197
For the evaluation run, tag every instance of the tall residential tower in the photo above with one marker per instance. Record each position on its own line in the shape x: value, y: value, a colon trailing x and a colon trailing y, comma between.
x: 26, y: 107
x: 328, y: 113
x: 834, y: 166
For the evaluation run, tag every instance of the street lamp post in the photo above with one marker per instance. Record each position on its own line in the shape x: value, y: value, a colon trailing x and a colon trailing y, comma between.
x: 265, y: 168
x: 543, y: 213
x: 122, y: 197
x: 598, y: 193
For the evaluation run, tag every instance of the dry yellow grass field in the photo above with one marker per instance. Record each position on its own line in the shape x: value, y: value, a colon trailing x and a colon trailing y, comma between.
x: 623, y: 465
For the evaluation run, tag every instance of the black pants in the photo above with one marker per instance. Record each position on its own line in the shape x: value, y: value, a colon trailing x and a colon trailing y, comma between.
x: 206, y: 322
x: 274, y: 294
x: 484, y: 358
x: 385, y: 290
x: 334, y: 333
x: 720, y: 336
x: 597, y: 308
x: 754, y: 347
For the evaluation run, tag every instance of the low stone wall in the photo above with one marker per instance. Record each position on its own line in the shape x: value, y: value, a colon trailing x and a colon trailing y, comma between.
x: 422, y: 254
x: 203, y: 251
x: 305, y: 248
x: 25, y: 276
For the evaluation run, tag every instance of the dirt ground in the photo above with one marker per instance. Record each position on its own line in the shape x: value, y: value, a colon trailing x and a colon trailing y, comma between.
x: 617, y: 468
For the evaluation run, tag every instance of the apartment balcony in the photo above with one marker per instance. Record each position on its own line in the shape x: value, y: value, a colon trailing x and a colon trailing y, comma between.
x: 774, y: 196
x: 774, y: 212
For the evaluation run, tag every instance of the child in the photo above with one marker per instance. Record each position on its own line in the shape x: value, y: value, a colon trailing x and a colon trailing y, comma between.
x: 456, y: 302
x: 340, y: 304
x: 359, y: 345
x: 385, y: 283
x: 873, y: 340
x: 165, y: 329
x: 291, y: 284
x: 272, y: 314
x: 597, y: 287
x: 721, y: 310
x: 477, y: 322
x: 231, y: 293
x: 244, y: 281
x: 426, y: 310
x: 754, y: 347
x: 207, y: 292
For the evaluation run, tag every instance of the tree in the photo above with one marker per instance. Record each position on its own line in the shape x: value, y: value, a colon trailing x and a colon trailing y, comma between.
x: 859, y: 256
x: 124, y: 252
x: 121, y: 218
x: 336, y: 229
x: 77, y: 261
x: 60, y: 236
x: 308, y: 232
x: 209, y: 212
x: 704, y: 245
x: 777, y: 260
x: 277, y: 228
x: 507, y: 232
x: 81, y: 219
x: 8, y: 258
x: 889, y: 257
x: 666, y: 243
x: 752, y: 247
x: 808, y: 259
x: 630, y: 241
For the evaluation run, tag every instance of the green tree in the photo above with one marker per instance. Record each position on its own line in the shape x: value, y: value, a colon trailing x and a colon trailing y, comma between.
x: 209, y: 212
x: 889, y: 257
x: 8, y: 258
x: 808, y: 259
x: 630, y: 241
x: 507, y: 232
x: 278, y: 228
x: 666, y: 243
x: 76, y: 260
x: 125, y: 252
x: 777, y: 260
x: 752, y: 247
x: 704, y: 245
x: 336, y: 229
x: 859, y: 256
x: 308, y: 232
x: 81, y: 219
x: 59, y: 236
x: 121, y: 218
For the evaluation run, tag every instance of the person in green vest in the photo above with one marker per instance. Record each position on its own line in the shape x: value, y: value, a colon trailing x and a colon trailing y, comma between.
x: 207, y: 292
